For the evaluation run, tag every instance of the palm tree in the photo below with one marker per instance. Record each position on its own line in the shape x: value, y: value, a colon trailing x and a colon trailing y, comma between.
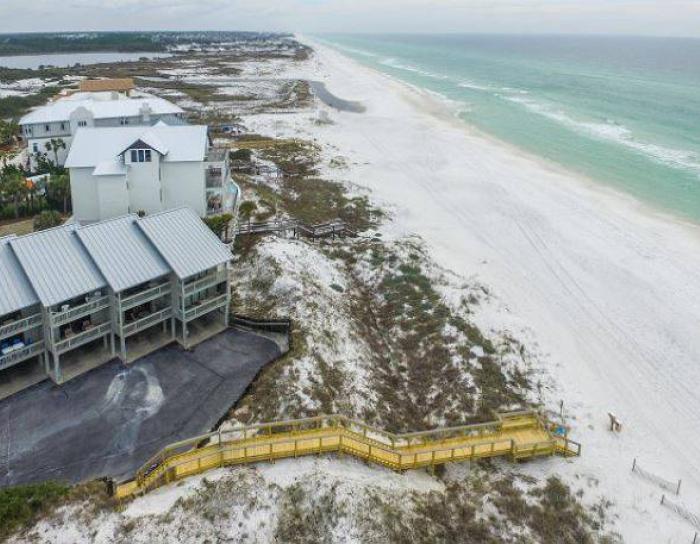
x: 13, y: 186
x: 55, y: 145
x: 59, y: 189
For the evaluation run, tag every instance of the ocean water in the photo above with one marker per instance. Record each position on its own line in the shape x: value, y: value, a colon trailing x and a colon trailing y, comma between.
x: 624, y: 111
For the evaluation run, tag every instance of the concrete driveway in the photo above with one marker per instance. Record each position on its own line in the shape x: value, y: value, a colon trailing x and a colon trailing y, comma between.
x: 109, y: 421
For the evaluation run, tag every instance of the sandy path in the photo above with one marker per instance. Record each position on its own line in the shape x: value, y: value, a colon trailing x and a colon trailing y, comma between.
x: 609, y: 290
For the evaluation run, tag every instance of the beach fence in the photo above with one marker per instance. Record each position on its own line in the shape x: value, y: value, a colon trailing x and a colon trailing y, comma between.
x: 683, y: 512
x: 668, y: 485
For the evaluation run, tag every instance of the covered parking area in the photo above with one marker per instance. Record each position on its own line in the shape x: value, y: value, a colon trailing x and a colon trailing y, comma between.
x: 108, y: 422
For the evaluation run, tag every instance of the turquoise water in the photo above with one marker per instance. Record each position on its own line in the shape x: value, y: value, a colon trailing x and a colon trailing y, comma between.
x: 623, y: 110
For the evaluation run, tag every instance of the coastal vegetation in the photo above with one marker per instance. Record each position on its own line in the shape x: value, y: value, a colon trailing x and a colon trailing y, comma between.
x: 380, y: 332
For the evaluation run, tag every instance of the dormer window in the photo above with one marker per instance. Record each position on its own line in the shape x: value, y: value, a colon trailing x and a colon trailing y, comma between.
x: 82, y: 123
x: 140, y: 155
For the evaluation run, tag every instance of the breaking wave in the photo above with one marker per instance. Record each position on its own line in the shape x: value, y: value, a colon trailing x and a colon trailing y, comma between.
x: 613, y: 132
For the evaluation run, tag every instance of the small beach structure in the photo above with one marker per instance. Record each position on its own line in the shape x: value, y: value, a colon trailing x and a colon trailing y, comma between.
x: 75, y: 297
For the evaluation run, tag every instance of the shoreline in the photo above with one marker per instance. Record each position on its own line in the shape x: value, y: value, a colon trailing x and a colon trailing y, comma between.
x: 448, y: 111
x: 599, y: 286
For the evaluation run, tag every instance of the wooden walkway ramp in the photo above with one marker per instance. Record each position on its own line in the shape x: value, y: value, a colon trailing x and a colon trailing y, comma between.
x: 331, y: 229
x: 516, y: 435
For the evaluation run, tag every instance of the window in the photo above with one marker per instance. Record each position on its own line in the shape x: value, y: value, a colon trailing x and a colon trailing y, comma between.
x: 123, y: 121
x: 140, y: 155
x: 35, y: 147
x: 63, y: 126
x: 47, y: 128
x: 82, y: 123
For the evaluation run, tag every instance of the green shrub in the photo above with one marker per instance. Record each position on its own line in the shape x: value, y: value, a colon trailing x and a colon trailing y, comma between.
x: 22, y: 505
x: 47, y: 219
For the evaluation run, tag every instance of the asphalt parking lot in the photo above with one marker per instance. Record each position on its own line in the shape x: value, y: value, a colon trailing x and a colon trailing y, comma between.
x: 108, y: 422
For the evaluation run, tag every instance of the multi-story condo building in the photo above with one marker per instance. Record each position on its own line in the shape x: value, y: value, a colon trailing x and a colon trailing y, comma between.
x: 145, y: 170
x: 57, y: 122
x: 73, y: 298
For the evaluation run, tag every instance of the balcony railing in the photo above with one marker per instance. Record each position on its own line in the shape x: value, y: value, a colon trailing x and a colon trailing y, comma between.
x: 59, y: 318
x: 82, y: 338
x: 22, y: 354
x: 204, y: 308
x: 148, y: 321
x: 214, y: 180
x: 207, y: 281
x: 145, y: 296
x: 20, y: 325
x: 216, y: 154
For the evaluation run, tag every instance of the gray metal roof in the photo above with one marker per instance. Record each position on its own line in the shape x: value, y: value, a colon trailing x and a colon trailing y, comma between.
x: 184, y: 241
x: 122, y: 252
x: 15, y: 291
x: 57, y: 265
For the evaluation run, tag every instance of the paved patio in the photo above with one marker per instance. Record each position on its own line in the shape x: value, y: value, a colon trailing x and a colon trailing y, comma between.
x: 109, y: 421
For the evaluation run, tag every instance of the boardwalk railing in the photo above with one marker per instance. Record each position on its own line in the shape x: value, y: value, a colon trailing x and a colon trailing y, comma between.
x: 518, y: 435
x: 297, y: 228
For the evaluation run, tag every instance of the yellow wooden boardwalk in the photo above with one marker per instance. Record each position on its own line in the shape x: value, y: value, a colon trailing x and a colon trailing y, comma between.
x: 517, y: 435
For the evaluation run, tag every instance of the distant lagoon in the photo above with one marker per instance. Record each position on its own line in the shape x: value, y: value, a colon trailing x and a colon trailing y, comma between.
x: 62, y: 60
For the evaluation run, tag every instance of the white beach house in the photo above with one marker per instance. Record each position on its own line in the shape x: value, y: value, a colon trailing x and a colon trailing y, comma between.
x: 73, y: 298
x: 60, y: 120
x: 145, y: 170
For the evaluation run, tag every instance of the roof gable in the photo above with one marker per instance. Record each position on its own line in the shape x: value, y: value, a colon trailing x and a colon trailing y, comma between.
x: 185, y: 242
x: 16, y: 292
x: 179, y: 143
x: 122, y: 252
x: 57, y: 265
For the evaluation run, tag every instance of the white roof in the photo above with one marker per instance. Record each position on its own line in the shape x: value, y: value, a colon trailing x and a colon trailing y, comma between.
x: 94, y: 146
x: 122, y: 252
x: 57, y: 265
x: 61, y: 110
x: 109, y: 168
x: 184, y: 241
x: 15, y: 291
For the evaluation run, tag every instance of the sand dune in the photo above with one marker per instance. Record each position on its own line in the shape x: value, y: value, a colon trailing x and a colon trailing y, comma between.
x: 606, y: 290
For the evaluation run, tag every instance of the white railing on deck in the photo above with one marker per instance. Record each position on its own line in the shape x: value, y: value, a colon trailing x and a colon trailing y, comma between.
x: 59, y: 318
x: 148, y: 321
x: 22, y: 354
x: 20, y: 325
x: 145, y: 296
x: 82, y: 338
x: 204, y: 308
x: 207, y: 281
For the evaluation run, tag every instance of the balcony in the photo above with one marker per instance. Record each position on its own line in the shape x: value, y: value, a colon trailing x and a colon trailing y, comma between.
x: 214, y: 178
x: 60, y: 318
x: 81, y: 338
x: 21, y: 325
x: 210, y: 280
x: 22, y: 354
x: 145, y: 296
x: 204, y: 307
x: 146, y: 322
x: 216, y: 154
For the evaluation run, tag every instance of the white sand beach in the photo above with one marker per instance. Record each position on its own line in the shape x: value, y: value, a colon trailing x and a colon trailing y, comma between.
x: 603, y: 289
